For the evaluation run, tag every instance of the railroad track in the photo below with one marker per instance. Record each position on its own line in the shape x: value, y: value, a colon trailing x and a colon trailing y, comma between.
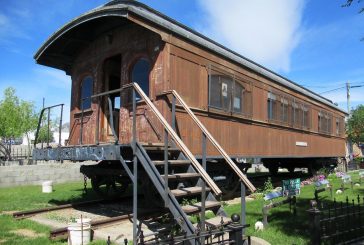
x: 30, y: 213
x: 63, y: 232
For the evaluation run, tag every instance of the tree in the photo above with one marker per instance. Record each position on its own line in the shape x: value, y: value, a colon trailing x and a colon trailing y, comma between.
x: 43, y: 132
x: 355, y: 125
x: 350, y: 2
x: 29, y: 120
x: 17, y: 117
x: 10, y: 125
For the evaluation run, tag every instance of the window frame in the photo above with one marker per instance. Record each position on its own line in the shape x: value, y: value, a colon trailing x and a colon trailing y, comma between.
x: 234, y: 82
x: 81, y: 101
x: 131, y: 69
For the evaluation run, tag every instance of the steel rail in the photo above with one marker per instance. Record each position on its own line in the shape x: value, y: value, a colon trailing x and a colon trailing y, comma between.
x: 29, y: 213
x: 63, y: 232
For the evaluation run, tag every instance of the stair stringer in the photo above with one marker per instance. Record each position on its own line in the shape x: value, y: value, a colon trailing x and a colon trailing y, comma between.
x: 173, y: 205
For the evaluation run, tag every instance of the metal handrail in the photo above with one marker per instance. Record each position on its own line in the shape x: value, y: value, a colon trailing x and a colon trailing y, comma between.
x: 40, y: 121
x: 178, y: 141
x: 212, y: 140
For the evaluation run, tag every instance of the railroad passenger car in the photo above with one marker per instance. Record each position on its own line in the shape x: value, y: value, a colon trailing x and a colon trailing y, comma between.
x: 248, y: 110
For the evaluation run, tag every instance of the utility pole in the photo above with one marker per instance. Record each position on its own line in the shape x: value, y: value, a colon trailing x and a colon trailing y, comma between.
x: 348, y: 96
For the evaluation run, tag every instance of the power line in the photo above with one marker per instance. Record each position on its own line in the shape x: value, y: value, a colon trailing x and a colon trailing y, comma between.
x: 353, y: 86
x: 332, y: 90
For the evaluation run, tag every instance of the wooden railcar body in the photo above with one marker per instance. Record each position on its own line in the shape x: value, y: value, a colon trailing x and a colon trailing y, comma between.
x: 250, y: 110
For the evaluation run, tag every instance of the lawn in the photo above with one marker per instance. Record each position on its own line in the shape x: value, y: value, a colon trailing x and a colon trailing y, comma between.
x: 284, y: 227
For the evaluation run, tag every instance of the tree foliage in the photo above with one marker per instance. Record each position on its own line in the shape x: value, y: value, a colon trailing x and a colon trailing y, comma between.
x: 43, y: 135
x: 350, y: 2
x: 355, y: 125
x: 17, y: 117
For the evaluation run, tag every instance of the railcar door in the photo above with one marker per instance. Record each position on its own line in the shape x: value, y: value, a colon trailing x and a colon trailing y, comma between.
x: 112, y: 72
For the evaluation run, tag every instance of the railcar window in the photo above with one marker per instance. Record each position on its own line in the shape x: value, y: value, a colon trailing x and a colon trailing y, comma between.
x: 324, y: 122
x: 140, y: 74
x: 272, y: 105
x: 86, y: 91
x: 238, y: 101
x: 297, y: 114
x: 230, y: 95
x: 284, y: 110
x: 220, y: 92
x: 337, y: 126
x: 305, y: 116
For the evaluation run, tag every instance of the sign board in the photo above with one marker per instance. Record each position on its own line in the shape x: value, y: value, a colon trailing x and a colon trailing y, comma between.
x: 301, y: 143
x: 224, y: 89
x: 291, y: 187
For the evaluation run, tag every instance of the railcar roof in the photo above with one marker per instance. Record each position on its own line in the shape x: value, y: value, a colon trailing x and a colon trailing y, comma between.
x: 59, y: 50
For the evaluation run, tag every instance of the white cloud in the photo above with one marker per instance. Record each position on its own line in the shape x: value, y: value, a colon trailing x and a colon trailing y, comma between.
x: 265, y: 31
x: 52, y: 77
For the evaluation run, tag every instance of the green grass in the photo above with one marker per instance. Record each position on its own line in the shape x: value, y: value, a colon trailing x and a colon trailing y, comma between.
x: 31, y: 197
x: 283, y: 226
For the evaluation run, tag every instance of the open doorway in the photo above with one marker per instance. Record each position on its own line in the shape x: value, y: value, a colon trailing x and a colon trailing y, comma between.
x: 112, y: 74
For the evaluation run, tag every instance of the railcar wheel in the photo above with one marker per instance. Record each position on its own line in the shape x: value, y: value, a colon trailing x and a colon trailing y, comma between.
x: 273, y: 169
x: 291, y: 169
x: 109, y: 186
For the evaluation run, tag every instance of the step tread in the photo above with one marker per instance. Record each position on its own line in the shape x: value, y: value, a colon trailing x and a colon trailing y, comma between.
x: 159, y: 148
x: 216, y: 221
x: 192, y: 208
x: 182, y: 175
x: 188, y: 191
x: 173, y: 162
x: 152, y: 144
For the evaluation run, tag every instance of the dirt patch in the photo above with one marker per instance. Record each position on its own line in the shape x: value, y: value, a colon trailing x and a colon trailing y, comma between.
x: 27, y: 233
x: 3, y: 241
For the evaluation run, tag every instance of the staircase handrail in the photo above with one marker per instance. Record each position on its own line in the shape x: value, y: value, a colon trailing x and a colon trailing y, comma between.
x: 178, y: 141
x: 212, y: 140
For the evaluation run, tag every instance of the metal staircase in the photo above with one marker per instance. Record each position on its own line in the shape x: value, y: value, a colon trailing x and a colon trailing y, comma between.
x: 183, y: 168
x: 175, y: 176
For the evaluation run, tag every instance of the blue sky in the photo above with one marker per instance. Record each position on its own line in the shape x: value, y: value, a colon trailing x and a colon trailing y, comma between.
x: 315, y: 43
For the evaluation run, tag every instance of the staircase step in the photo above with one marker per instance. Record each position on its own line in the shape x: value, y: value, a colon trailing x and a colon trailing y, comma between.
x: 146, y: 144
x: 194, y: 208
x: 173, y: 162
x: 216, y: 221
x: 182, y: 176
x: 189, y: 191
x: 160, y: 148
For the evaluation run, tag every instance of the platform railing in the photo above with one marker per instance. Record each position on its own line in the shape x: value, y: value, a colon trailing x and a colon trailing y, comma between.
x: 48, y: 109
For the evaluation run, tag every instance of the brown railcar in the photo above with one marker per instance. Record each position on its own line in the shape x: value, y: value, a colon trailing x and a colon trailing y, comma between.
x: 250, y: 111
x: 160, y: 105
